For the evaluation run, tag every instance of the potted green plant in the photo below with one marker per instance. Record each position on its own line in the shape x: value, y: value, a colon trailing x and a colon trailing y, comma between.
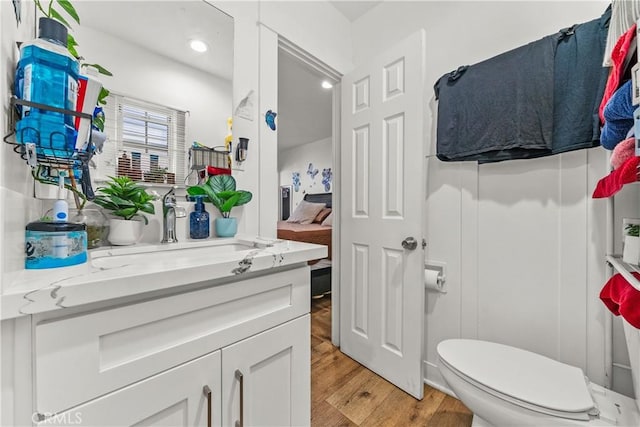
x: 125, y: 199
x: 220, y: 190
x: 631, y: 249
x: 155, y: 174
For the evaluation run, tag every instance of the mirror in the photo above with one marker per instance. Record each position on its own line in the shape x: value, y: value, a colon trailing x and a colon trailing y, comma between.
x: 145, y: 44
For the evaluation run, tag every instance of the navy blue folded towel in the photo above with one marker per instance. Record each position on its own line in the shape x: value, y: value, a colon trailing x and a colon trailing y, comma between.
x: 618, y: 116
x: 503, y: 103
x: 579, y: 82
x: 536, y: 100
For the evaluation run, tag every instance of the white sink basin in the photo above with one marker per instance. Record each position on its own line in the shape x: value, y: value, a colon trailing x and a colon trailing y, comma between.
x: 171, y: 252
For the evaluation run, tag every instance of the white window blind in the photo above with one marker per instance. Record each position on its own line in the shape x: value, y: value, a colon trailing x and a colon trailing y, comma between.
x: 145, y: 142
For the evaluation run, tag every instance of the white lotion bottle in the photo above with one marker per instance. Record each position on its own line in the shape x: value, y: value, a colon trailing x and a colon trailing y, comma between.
x: 60, y: 206
x: 60, y: 214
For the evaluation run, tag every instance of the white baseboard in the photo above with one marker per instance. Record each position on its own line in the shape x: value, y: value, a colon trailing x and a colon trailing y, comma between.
x: 434, y: 378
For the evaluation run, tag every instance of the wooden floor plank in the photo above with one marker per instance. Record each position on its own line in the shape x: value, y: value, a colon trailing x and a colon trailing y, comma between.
x: 345, y: 393
x: 325, y: 415
x: 320, y: 351
x: 327, y: 378
x: 401, y: 409
x: 361, y: 395
x: 451, y: 413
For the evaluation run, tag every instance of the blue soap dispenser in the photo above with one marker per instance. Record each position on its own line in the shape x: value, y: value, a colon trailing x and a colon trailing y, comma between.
x: 199, y: 220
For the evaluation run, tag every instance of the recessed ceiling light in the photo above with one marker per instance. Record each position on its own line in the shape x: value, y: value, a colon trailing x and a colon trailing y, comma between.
x: 198, y: 45
x: 326, y: 85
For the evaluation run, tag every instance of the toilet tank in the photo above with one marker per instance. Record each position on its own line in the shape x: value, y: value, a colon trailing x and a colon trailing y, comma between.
x: 632, y: 336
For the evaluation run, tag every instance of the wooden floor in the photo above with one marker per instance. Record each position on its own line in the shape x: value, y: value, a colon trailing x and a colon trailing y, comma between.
x: 344, y: 393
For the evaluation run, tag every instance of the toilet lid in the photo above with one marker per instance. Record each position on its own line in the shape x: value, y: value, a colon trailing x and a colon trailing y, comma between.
x: 523, y: 376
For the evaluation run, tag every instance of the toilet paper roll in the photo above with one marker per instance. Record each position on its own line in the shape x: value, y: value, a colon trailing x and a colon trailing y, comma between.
x: 431, y: 280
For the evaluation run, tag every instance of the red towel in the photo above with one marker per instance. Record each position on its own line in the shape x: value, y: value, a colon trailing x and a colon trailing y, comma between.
x: 211, y: 171
x: 612, y: 183
x: 618, y: 55
x: 622, y: 298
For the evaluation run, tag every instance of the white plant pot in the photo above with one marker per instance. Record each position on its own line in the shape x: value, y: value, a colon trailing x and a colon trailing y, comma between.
x: 124, y: 232
x: 631, y: 252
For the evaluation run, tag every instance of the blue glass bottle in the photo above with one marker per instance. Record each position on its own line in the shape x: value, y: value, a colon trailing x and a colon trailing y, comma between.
x: 199, y: 221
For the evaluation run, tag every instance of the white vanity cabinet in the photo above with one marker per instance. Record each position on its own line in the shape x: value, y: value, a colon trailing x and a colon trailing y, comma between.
x: 173, y: 398
x: 266, y: 379
x: 152, y: 362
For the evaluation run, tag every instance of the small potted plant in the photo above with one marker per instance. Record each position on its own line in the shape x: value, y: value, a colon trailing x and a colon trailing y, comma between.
x: 125, y: 199
x: 631, y: 250
x: 221, y: 191
x: 156, y: 174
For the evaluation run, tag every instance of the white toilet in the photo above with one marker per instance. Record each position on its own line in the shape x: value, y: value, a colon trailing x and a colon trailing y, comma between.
x: 507, y: 386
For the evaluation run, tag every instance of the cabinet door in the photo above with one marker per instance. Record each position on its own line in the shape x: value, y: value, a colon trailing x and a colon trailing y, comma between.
x: 177, y: 397
x: 266, y: 378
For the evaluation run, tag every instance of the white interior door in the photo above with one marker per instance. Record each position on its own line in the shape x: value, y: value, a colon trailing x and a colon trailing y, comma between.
x: 382, y: 292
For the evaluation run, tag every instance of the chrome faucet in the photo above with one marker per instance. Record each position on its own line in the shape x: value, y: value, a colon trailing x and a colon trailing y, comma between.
x: 170, y: 211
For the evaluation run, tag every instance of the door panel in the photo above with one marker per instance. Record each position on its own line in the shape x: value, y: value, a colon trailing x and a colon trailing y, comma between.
x: 360, y: 284
x: 360, y: 168
x: 393, y: 173
x: 382, y: 292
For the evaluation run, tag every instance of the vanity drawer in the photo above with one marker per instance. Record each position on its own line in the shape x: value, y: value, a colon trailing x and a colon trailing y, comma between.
x: 86, y: 356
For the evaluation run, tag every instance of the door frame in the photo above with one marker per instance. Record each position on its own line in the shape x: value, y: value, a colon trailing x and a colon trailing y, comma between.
x: 336, y: 78
x: 335, y: 232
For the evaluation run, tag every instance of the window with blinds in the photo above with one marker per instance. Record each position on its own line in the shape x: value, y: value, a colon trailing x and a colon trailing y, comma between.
x: 145, y: 142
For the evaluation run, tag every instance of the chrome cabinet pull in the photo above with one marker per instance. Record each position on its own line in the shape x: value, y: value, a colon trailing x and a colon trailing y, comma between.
x: 207, y: 392
x: 240, y: 378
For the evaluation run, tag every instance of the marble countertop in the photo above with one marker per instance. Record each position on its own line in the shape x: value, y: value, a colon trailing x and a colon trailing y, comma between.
x: 115, y: 272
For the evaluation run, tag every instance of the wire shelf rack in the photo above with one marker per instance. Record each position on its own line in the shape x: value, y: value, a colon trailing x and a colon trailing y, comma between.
x: 44, y: 156
x: 52, y: 152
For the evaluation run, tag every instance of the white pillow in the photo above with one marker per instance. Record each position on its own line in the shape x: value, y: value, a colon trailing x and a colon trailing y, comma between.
x: 305, y: 212
x: 328, y: 220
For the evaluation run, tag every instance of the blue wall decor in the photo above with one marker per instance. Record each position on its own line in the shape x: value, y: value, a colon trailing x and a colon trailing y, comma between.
x: 327, y: 176
x: 312, y: 172
x: 295, y: 178
x: 270, y: 118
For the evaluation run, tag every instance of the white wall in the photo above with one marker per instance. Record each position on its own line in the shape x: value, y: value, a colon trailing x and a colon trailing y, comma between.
x: 297, y: 159
x: 316, y: 27
x: 523, y: 240
x: 18, y: 207
x: 145, y: 75
x: 245, y: 80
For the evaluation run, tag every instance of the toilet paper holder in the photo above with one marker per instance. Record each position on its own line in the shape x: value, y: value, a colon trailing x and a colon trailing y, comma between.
x: 441, y: 269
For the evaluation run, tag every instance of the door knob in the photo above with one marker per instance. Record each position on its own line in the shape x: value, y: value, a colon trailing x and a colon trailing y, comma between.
x: 409, y: 243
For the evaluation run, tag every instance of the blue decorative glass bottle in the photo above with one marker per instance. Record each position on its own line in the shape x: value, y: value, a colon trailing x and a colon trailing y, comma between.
x: 199, y: 221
